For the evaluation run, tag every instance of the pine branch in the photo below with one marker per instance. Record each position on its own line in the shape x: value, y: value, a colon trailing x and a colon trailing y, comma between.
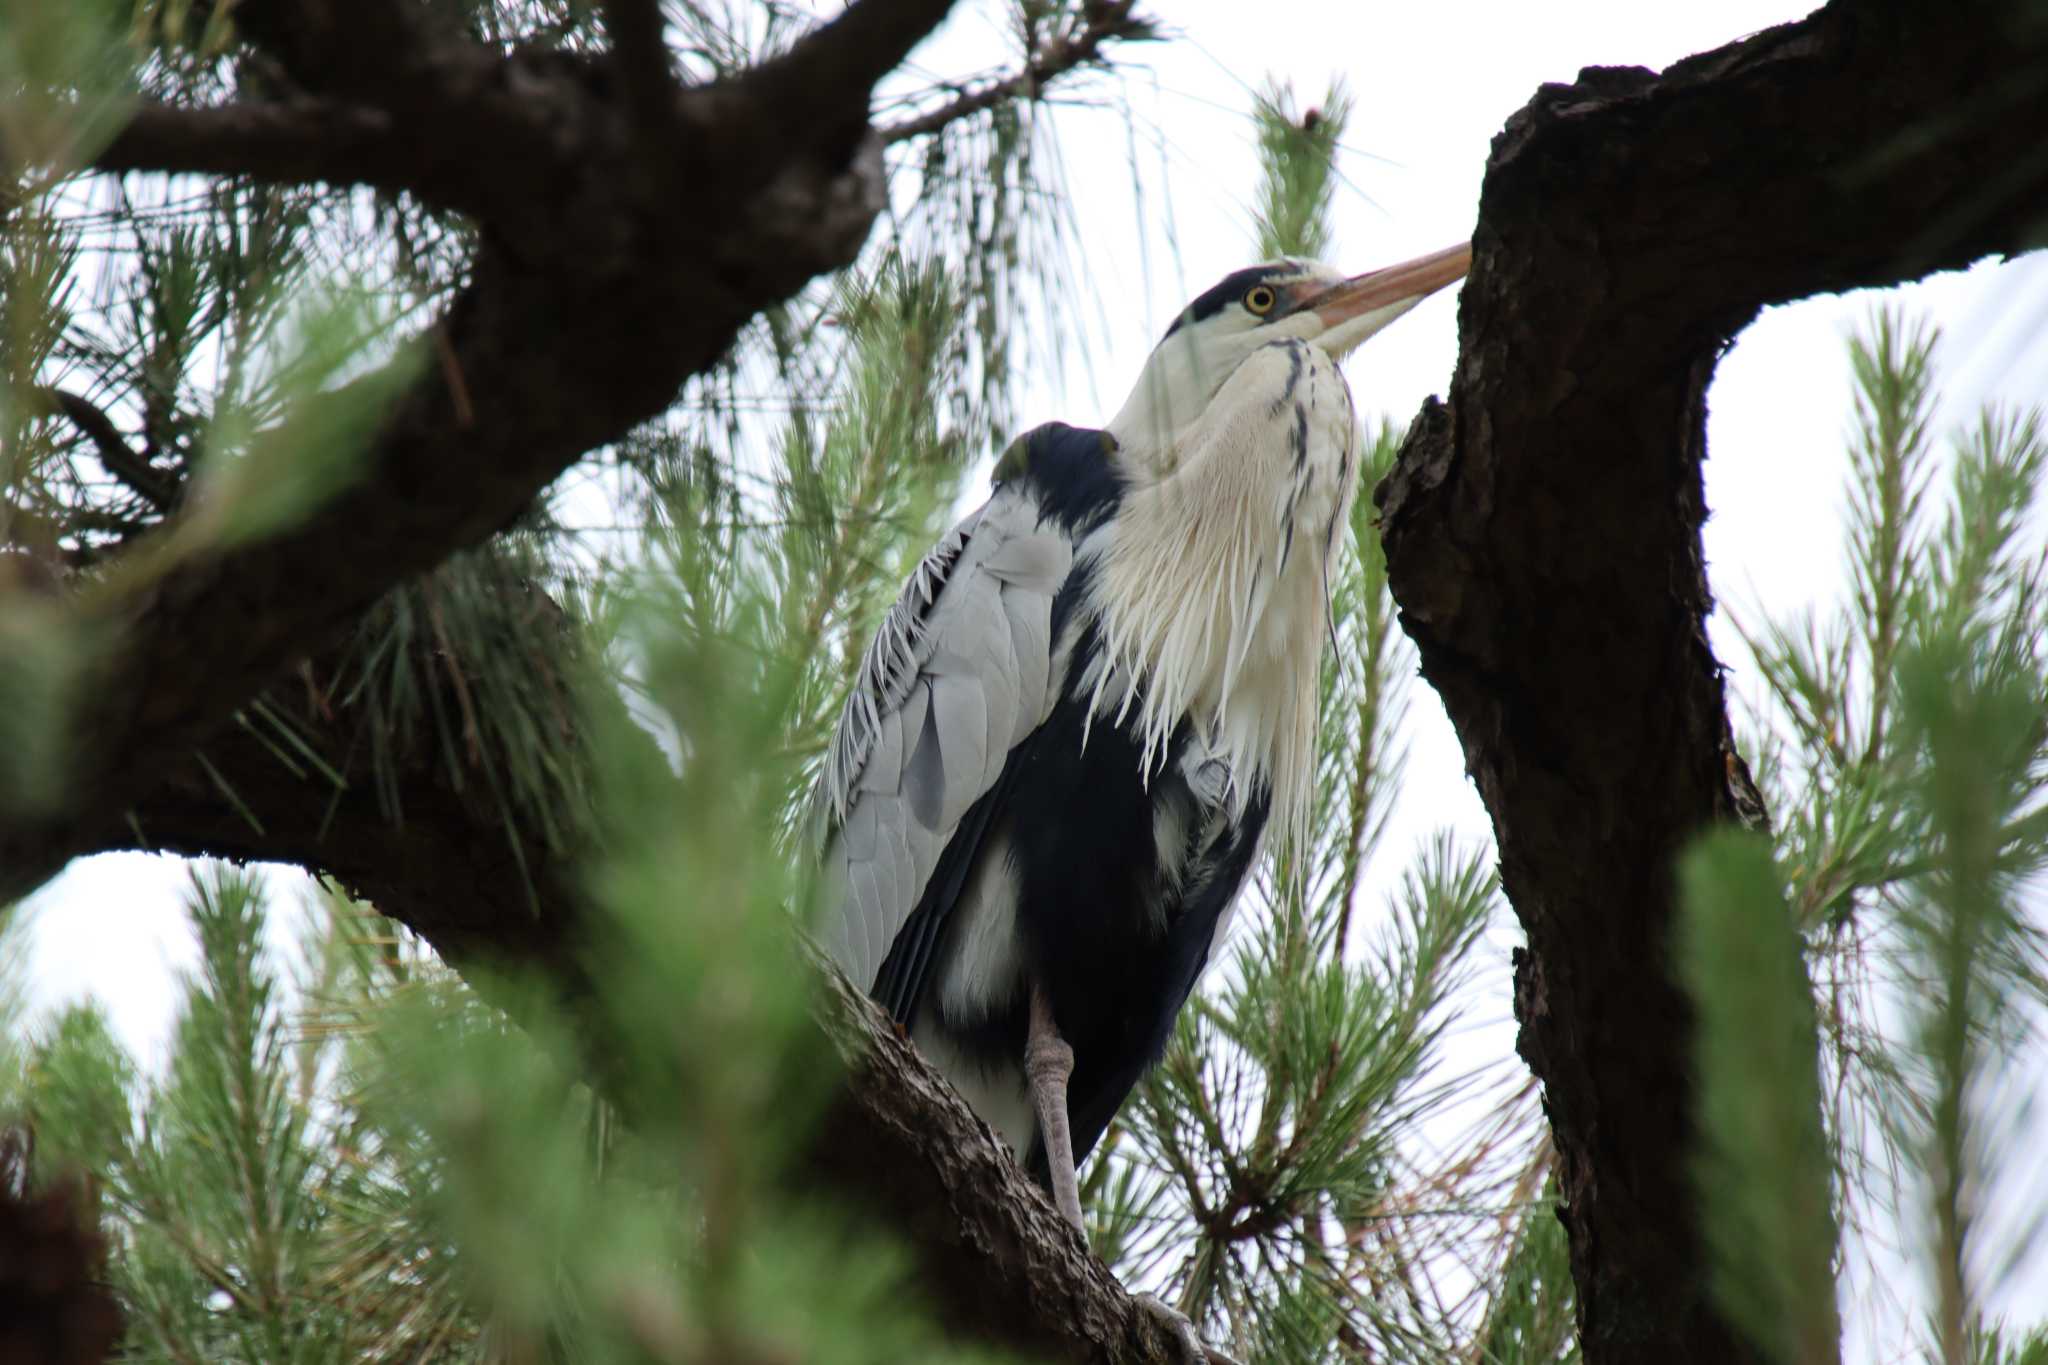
x: 305, y: 141
x: 640, y: 52
x: 107, y: 443
x: 819, y: 89
x: 598, y: 289
x: 1102, y: 24
x: 386, y: 53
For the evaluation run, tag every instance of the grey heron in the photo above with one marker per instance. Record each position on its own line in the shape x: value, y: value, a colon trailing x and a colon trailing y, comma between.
x: 1093, y: 698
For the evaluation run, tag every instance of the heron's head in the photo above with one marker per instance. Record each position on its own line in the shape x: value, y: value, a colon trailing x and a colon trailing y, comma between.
x: 1303, y: 300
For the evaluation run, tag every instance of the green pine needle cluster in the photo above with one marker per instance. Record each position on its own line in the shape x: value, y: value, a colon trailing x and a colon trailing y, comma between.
x: 1297, y: 170
x: 255, y: 1212
x: 1901, y: 744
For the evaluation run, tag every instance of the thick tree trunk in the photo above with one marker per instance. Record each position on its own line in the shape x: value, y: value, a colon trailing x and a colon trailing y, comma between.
x: 1542, y: 528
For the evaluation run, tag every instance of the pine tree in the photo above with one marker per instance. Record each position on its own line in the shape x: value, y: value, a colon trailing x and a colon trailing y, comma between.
x: 733, y: 619
x: 608, y: 696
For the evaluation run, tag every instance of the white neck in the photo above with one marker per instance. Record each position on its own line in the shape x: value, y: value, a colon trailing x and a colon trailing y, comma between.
x: 1214, y: 572
x: 1168, y: 399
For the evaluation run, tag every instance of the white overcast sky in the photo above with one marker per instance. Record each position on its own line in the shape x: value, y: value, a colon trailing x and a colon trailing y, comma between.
x: 1161, y: 211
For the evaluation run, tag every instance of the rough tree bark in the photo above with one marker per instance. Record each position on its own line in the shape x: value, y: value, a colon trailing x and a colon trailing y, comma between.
x: 1543, y: 527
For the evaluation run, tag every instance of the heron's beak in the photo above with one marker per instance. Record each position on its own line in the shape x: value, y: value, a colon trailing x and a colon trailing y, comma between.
x: 1355, y: 309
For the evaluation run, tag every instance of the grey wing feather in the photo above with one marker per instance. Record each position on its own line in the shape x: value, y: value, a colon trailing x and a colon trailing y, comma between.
x: 958, y: 674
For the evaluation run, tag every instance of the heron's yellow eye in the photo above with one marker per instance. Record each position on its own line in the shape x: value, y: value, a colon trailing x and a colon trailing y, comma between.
x: 1260, y: 299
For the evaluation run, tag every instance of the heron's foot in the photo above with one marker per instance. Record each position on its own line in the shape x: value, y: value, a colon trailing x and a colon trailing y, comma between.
x: 1193, y: 1350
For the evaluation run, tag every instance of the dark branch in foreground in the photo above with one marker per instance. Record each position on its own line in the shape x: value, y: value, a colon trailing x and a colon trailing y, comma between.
x: 1543, y: 537
x: 307, y: 141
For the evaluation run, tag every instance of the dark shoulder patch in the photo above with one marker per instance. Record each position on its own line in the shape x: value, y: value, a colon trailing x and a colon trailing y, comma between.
x: 1228, y: 290
x: 1071, y: 471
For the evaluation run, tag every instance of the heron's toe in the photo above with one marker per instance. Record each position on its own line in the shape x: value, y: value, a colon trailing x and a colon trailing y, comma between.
x: 1193, y: 1351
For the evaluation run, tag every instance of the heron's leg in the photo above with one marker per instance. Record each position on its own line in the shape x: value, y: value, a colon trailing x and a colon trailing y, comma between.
x: 1048, y: 1062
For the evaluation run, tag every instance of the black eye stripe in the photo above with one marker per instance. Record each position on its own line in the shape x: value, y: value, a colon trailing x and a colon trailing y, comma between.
x: 1227, y: 291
